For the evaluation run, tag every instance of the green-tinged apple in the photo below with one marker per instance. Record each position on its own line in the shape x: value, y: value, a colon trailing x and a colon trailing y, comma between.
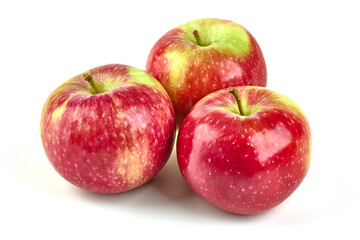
x: 108, y: 130
x: 202, y: 56
x: 247, y: 152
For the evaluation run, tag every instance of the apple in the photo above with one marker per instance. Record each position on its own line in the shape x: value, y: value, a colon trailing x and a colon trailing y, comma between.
x: 202, y: 56
x: 108, y: 130
x: 244, y: 153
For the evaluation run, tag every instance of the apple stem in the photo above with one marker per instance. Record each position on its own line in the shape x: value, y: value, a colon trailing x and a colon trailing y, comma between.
x: 89, y: 79
x: 197, y: 37
x: 237, y: 98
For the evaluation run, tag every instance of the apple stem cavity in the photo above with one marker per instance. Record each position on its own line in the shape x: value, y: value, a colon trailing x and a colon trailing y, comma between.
x: 237, y: 98
x: 89, y: 79
x: 197, y: 38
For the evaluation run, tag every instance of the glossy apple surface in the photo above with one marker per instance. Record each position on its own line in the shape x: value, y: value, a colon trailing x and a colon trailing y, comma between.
x: 244, y: 164
x: 110, y: 134
x: 190, y: 67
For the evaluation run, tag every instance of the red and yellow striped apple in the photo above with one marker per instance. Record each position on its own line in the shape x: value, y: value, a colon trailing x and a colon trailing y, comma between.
x: 244, y: 154
x: 109, y: 129
x: 202, y: 56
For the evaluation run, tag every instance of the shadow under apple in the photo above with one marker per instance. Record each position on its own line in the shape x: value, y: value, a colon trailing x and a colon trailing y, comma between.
x: 167, y: 196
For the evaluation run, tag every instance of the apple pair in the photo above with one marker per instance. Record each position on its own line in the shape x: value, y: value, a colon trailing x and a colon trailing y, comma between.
x: 246, y: 150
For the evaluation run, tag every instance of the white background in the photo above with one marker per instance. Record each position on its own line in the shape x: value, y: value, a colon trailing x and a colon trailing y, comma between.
x: 312, y: 53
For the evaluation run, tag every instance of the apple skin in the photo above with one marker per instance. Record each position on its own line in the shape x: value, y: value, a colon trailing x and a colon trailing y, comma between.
x: 113, y: 141
x: 189, y: 72
x: 244, y: 164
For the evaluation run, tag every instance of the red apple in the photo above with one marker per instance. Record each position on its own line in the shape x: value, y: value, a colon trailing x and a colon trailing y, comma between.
x: 204, y: 55
x: 109, y: 129
x: 244, y: 159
